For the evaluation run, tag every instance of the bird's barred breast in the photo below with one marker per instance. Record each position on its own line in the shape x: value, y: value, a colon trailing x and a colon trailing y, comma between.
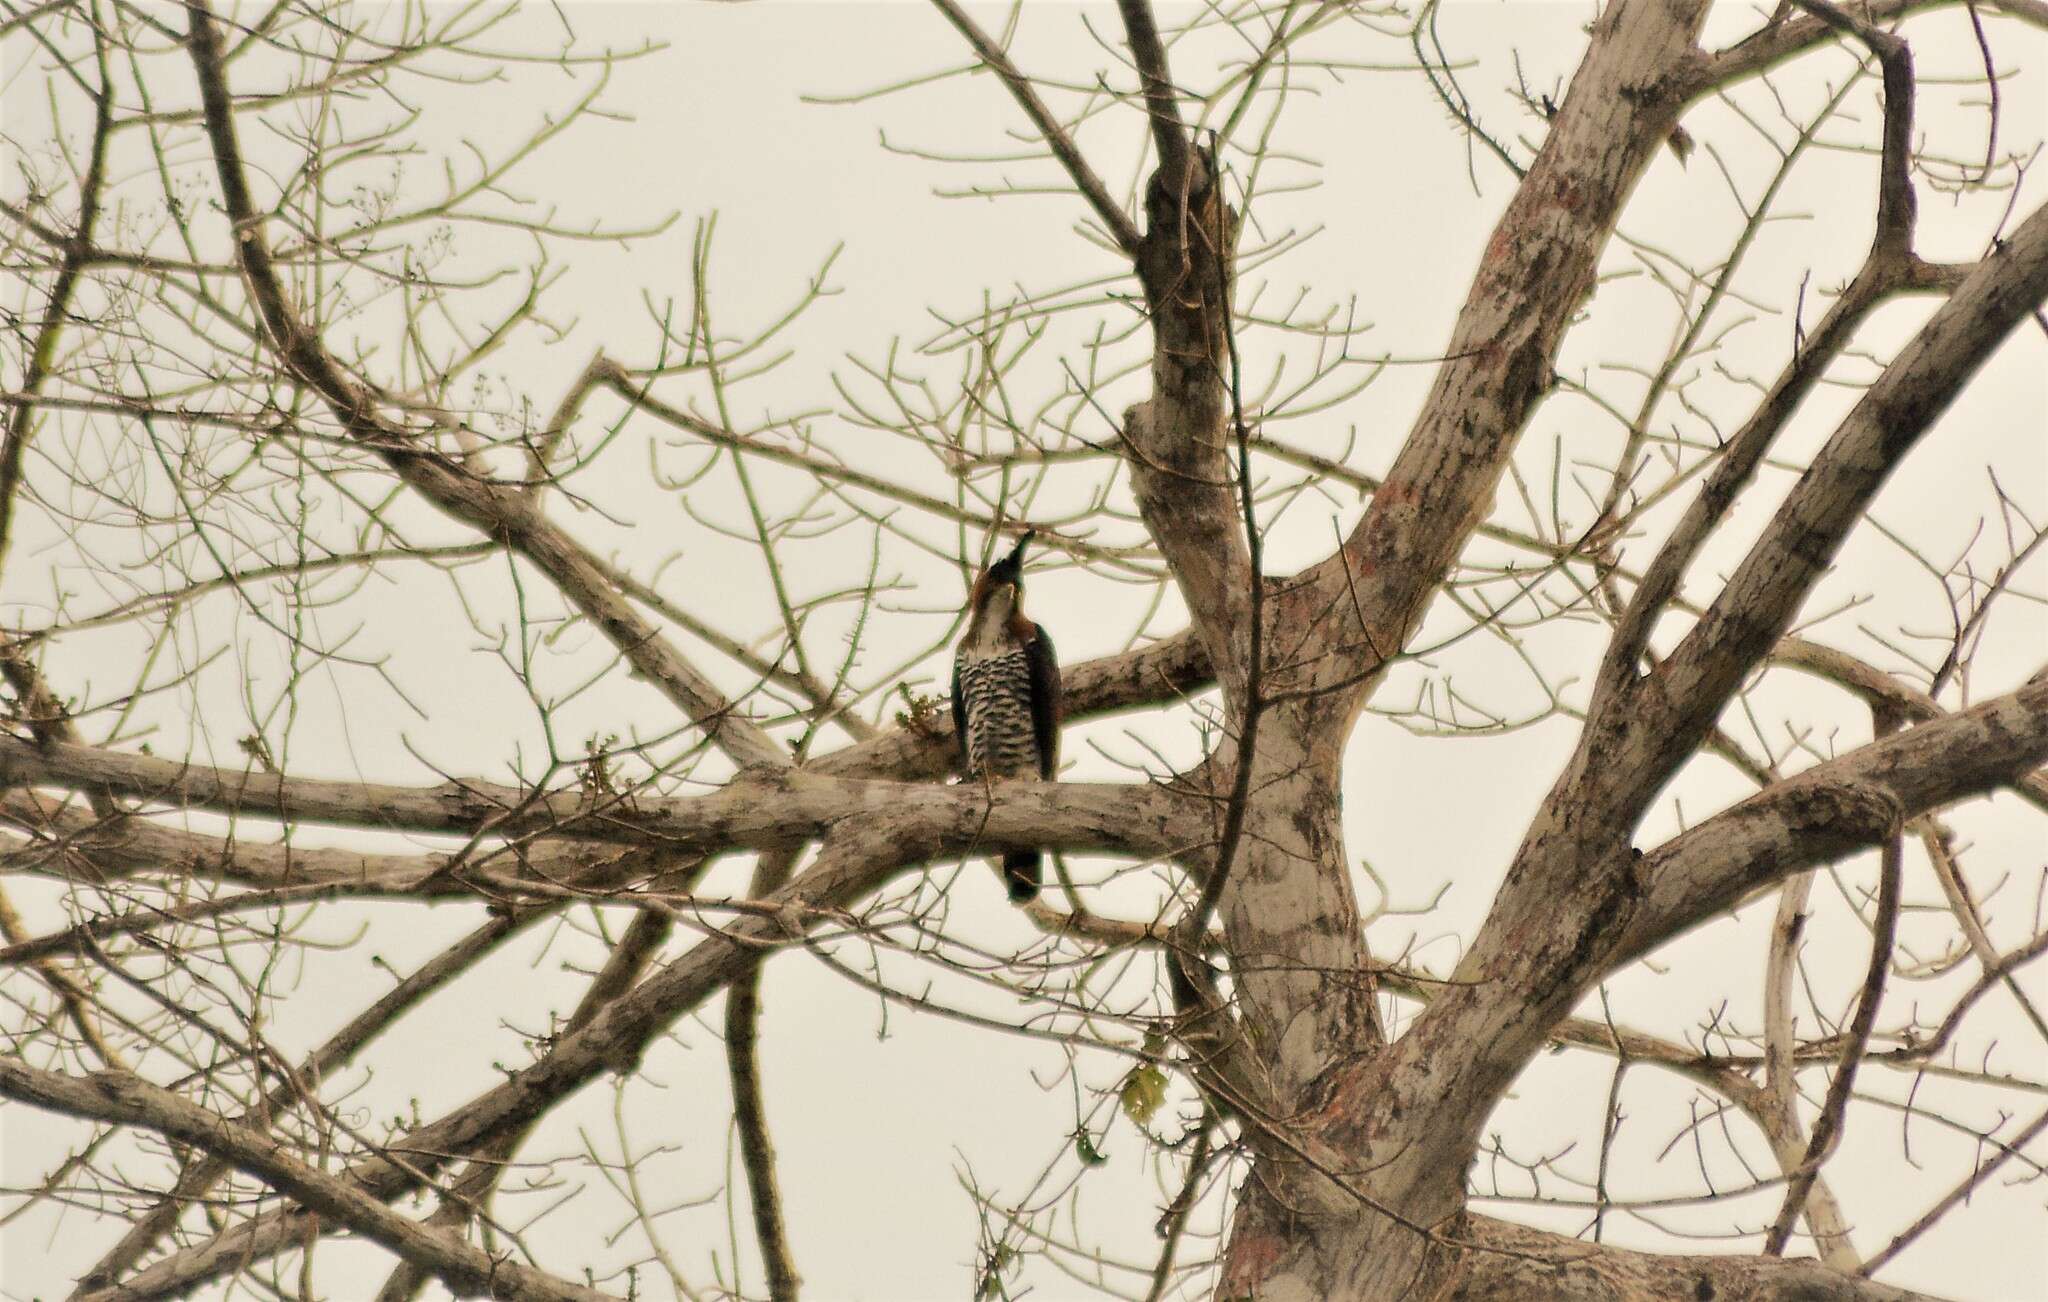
x: 997, y: 693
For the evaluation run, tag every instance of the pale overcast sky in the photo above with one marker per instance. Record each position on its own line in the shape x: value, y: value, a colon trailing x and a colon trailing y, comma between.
x: 881, y: 1114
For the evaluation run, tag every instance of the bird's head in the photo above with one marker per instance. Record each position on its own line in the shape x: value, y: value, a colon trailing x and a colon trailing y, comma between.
x: 999, y: 592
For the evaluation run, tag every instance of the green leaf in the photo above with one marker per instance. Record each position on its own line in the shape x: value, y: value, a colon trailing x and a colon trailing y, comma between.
x: 1143, y: 1093
x: 1090, y: 1155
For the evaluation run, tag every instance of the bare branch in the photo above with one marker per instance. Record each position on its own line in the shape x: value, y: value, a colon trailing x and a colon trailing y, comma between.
x: 742, y: 1025
x: 122, y: 1099
x: 1827, y: 1128
x: 1119, y: 226
x: 1162, y: 103
x: 499, y: 510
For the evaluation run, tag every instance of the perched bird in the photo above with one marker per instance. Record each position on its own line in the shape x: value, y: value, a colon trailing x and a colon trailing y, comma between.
x: 1006, y: 698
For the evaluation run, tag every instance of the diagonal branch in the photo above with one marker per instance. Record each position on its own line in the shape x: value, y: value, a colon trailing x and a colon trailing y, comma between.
x: 21, y: 422
x: 199, y: 1178
x: 860, y: 856
x: 1831, y: 810
x: 613, y: 1036
x: 1551, y: 936
x: 465, y: 1196
x: 121, y: 1099
x: 1121, y: 228
x: 1962, y: 1191
x: 1759, y: 601
x: 1534, y: 275
x: 501, y: 510
x: 1776, y: 42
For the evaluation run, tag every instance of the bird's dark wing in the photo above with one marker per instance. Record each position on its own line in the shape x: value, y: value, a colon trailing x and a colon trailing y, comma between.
x: 1045, y: 701
x: 960, y: 719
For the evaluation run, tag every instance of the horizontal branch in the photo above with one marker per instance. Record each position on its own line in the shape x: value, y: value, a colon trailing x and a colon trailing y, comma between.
x: 1879, y: 688
x: 65, y: 841
x: 1776, y: 42
x: 759, y: 809
x: 1526, y: 1262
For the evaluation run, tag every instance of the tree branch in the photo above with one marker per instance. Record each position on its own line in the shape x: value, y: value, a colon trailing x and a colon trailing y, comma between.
x: 861, y: 855
x: 42, y: 357
x: 1534, y: 275
x: 1155, y: 78
x: 1969, y: 1183
x: 121, y: 1099
x: 1758, y: 602
x: 198, y: 1178
x: 1120, y: 227
x: 1827, y: 1128
x: 505, y: 510
x: 1833, y: 809
x: 755, y: 810
x: 1525, y: 1262
x: 466, y: 1195
x: 743, y: 1064
x: 1776, y: 42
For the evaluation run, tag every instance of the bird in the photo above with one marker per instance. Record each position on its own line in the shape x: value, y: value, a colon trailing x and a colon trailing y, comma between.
x: 1006, y: 699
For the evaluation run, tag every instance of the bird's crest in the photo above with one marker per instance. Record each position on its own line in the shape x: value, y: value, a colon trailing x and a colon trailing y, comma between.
x: 1010, y: 569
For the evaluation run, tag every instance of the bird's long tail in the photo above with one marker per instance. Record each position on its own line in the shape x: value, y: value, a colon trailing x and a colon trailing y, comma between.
x: 1022, y: 872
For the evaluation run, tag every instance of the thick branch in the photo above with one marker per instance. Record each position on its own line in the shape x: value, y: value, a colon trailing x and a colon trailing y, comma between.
x: 865, y: 854
x: 1533, y: 277
x: 1759, y: 602
x: 1776, y: 42
x: 1424, y: 1100
x: 758, y: 809
x: 1573, y: 889
x: 1833, y: 809
x: 1530, y: 1263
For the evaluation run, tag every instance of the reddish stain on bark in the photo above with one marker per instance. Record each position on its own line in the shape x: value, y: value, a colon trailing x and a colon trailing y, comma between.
x: 1397, y: 492
x: 1341, y: 1106
x: 1252, y: 1256
x: 1497, y: 247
